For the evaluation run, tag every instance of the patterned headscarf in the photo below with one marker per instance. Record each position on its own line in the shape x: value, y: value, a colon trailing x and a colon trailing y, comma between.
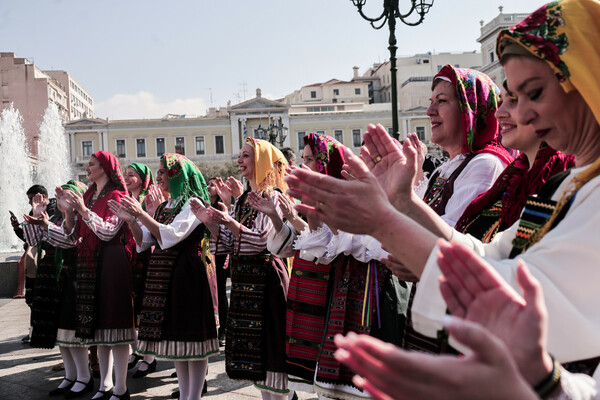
x: 329, y: 153
x: 185, y: 179
x: 269, y: 165
x: 145, y: 175
x: 478, y: 97
x: 564, y: 34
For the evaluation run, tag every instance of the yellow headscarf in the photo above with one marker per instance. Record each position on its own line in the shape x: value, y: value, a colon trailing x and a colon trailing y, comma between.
x: 565, y: 34
x: 269, y: 165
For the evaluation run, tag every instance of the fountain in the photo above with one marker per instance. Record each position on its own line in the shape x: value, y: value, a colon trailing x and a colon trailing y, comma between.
x: 53, y: 167
x: 16, y: 176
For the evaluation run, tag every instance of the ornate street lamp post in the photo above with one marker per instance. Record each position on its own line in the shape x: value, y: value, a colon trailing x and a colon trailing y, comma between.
x: 274, y: 133
x: 389, y: 15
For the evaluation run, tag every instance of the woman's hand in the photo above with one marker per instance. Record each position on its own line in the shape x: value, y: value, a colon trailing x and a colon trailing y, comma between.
x: 236, y: 188
x: 388, y: 372
x: 357, y: 206
x: 61, y: 201
x: 264, y: 204
x: 204, y: 215
x: 473, y: 290
x: 399, y: 270
x: 421, y: 149
x: 38, y: 205
x: 132, y: 206
x: 153, y: 199
x: 394, y: 168
x: 42, y: 220
x: 120, y: 211
x: 75, y: 201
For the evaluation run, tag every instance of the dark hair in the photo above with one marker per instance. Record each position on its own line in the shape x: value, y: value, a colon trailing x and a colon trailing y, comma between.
x: 288, y: 153
x: 35, y: 189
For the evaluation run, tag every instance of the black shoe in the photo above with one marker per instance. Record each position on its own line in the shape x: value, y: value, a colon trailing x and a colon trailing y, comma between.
x: 174, y: 374
x: 62, y: 390
x: 124, y: 396
x: 175, y: 394
x: 25, y: 339
x: 106, y: 395
x: 151, y: 368
x: 132, y: 364
x: 295, y: 396
x: 88, y: 388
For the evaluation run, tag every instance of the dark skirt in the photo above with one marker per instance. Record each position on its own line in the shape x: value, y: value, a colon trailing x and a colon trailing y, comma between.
x: 255, y: 340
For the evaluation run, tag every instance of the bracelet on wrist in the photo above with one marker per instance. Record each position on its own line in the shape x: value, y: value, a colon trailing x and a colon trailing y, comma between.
x: 550, y: 382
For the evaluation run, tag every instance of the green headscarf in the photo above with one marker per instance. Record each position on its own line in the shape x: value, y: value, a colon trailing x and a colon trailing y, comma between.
x: 145, y: 175
x: 185, y: 179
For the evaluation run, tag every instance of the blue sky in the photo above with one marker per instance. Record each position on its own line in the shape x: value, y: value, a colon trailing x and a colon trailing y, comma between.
x: 143, y: 59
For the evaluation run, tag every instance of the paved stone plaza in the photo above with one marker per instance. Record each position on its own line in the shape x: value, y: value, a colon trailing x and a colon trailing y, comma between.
x: 25, y: 373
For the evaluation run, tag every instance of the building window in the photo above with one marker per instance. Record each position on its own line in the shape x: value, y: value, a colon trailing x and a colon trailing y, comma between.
x: 301, y: 140
x: 121, y: 148
x: 357, y: 90
x: 219, y: 145
x: 140, y: 145
x: 425, y: 61
x: 336, y: 92
x: 180, y: 145
x: 321, y: 132
x: 356, y: 138
x: 313, y: 94
x: 160, y: 147
x: 339, y: 135
x: 86, y: 148
x: 200, y: 149
x: 491, y: 53
x: 420, y: 132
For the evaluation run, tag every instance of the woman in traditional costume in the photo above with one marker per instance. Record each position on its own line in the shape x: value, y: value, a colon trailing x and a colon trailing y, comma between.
x: 553, y: 78
x: 255, y: 338
x: 179, y: 306
x: 104, y: 303
x: 138, y: 179
x: 53, y: 311
x: 463, y: 124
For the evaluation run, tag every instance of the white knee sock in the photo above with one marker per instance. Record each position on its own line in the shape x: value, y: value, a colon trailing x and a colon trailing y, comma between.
x: 70, y: 368
x: 197, y: 374
x: 80, y: 356
x: 183, y: 379
x: 105, y: 360
x: 120, y: 354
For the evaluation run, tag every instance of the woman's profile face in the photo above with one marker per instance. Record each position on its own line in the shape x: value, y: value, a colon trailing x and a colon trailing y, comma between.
x: 514, y: 136
x: 445, y: 116
x: 212, y: 189
x: 309, y: 158
x: 132, y: 180
x: 162, y: 178
x: 94, y: 169
x: 555, y: 116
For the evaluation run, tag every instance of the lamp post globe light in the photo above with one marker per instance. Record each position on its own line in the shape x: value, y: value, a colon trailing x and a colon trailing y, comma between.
x: 391, y: 11
x: 274, y: 133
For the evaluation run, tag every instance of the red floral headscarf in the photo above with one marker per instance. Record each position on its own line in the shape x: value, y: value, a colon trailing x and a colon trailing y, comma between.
x: 329, y: 153
x: 478, y: 97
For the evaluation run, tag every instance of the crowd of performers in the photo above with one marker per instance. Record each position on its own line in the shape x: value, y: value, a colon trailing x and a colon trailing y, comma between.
x: 335, y: 265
